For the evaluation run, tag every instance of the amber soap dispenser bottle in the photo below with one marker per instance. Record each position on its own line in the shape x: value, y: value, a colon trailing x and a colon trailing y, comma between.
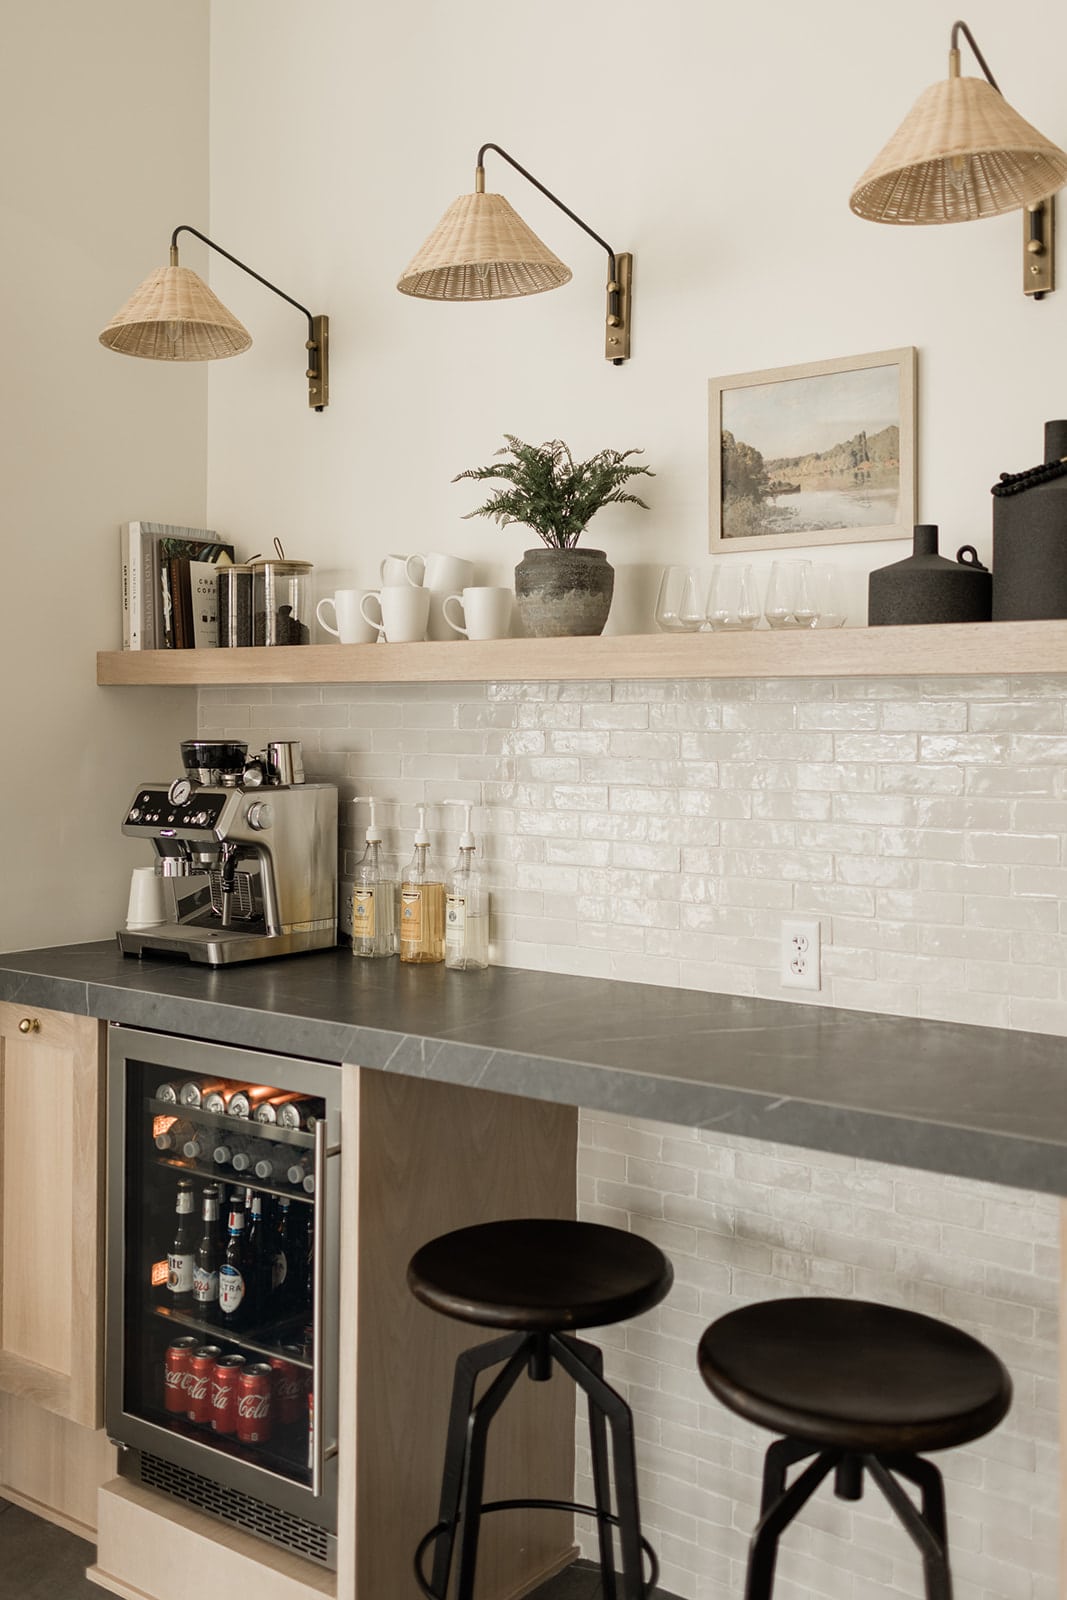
x: 422, y: 903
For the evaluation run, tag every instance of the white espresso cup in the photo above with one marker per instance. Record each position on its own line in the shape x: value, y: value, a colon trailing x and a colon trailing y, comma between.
x: 403, y: 611
x: 145, y: 908
x: 352, y: 626
x: 398, y: 569
x: 486, y: 612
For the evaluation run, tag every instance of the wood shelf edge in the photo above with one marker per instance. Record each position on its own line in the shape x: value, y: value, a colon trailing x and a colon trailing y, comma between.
x: 938, y: 650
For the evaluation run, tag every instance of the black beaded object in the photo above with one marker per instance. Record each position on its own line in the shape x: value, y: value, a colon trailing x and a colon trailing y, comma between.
x: 1016, y: 482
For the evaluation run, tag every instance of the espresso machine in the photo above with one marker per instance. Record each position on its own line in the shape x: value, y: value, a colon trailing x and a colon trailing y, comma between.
x: 247, y: 854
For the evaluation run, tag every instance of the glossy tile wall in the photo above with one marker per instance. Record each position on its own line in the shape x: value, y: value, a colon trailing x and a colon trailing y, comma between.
x: 660, y: 832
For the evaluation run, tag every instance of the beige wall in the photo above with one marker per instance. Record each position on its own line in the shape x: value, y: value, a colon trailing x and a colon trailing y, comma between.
x: 104, y: 123
x: 717, y: 142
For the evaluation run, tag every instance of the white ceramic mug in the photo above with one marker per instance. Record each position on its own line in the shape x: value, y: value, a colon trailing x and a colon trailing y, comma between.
x: 486, y: 612
x: 398, y: 569
x: 351, y: 626
x: 403, y: 611
x: 443, y: 574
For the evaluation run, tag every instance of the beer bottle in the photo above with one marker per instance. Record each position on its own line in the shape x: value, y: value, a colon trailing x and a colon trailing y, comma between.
x: 180, y: 1257
x: 208, y: 1252
x: 280, y: 1283
x: 260, y: 1259
x: 233, y: 1271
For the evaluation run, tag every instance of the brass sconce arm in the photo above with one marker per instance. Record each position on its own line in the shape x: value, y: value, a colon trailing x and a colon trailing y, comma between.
x: 620, y: 267
x: 954, y: 53
x: 318, y: 327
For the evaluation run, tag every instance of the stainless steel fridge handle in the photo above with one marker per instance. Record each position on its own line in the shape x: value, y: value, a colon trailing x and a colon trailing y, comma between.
x: 320, y: 1452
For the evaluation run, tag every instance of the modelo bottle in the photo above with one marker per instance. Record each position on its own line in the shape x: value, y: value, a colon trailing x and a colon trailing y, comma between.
x: 466, y: 906
x: 422, y: 903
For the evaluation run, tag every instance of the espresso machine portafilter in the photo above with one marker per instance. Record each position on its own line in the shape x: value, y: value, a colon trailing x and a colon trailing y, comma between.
x: 247, y: 851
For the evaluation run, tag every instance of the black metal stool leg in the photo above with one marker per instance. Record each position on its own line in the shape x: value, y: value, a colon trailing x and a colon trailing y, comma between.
x: 927, y: 1532
x: 470, y: 1506
x: 469, y: 1365
x: 763, y: 1550
x: 598, y: 1447
x: 624, y: 1459
x: 781, y: 1455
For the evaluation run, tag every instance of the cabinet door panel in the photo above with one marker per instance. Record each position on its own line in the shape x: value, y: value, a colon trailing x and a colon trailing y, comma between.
x: 51, y: 1179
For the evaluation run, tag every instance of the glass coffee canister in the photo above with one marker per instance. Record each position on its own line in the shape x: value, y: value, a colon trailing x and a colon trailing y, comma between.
x: 280, y: 600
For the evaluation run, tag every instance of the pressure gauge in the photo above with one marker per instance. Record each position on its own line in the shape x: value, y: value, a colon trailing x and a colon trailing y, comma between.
x: 179, y: 791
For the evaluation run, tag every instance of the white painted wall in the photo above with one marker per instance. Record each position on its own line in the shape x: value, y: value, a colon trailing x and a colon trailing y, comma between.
x: 103, y: 119
x: 717, y: 142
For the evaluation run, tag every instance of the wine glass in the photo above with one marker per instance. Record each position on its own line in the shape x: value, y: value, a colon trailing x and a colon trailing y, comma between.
x: 733, y: 599
x: 830, y: 599
x: 680, y: 602
x: 790, y: 601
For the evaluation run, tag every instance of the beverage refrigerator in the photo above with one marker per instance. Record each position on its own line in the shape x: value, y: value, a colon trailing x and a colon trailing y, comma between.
x: 223, y: 1210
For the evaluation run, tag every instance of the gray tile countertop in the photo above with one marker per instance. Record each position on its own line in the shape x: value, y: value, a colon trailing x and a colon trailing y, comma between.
x: 971, y: 1101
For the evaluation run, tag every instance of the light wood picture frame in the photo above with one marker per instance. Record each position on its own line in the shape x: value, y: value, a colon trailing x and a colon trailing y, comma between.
x: 817, y: 454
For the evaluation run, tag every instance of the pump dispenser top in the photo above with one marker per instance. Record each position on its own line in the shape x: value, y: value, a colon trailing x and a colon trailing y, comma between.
x: 374, y: 833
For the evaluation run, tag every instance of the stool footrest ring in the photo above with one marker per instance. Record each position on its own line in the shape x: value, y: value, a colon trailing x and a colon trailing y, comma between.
x: 441, y: 1528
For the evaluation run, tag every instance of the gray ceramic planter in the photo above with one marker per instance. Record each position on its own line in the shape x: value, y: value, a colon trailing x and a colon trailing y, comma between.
x: 563, y: 592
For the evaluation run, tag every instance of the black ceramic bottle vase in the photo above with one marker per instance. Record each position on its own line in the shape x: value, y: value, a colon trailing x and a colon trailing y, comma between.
x: 927, y: 587
x: 1030, y: 537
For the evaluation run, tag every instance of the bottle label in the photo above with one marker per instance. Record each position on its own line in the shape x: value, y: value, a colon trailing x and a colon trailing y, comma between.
x: 180, y: 1274
x: 205, y: 1287
x: 455, y: 922
x: 411, y: 908
x: 363, y: 914
x: 231, y: 1289
x: 279, y: 1270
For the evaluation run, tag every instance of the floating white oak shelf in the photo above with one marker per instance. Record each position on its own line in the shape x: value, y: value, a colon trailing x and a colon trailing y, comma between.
x: 941, y: 650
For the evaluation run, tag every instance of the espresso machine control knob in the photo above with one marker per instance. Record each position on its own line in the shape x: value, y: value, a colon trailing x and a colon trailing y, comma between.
x: 260, y: 815
x: 179, y: 791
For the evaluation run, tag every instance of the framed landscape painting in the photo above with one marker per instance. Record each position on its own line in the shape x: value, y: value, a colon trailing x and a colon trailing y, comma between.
x: 816, y: 454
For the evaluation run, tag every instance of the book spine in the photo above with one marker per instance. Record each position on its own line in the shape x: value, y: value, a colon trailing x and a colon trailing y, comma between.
x: 151, y: 602
x: 132, y: 591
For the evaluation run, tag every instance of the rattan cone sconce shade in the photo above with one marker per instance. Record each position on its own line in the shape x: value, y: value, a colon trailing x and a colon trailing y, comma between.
x: 174, y: 316
x: 960, y: 154
x: 482, y: 250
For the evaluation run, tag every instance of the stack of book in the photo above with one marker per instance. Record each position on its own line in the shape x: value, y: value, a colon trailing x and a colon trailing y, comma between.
x: 169, y: 586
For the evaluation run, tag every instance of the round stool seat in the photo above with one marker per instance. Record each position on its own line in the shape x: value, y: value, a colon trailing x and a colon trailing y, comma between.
x: 540, y: 1274
x: 864, y: 1377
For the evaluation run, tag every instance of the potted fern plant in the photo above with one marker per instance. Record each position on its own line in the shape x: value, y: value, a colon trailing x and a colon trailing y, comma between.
x: 560, y: 589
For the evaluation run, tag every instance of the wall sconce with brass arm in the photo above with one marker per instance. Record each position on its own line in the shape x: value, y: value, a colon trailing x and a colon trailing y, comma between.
x: 963, y: 153
x: 482, y: 250
x: 174, y: 316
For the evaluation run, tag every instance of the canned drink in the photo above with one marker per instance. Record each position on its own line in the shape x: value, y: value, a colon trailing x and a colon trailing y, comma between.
x: 283, y: 1109
x: 192, y: 1093
x: 176, y: 1373
x: 224, y: 1393
x: 168, y: 1093
x: 198, y: 1386
x: 254, y: 1386
x: 289, y: 1380
x: 311, y: 1428
x: 309, y: 1341
x: 244, y: 1101
x: 215, y: 1102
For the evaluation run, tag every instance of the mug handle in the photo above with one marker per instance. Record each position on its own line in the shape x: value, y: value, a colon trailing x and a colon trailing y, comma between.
x: 458, y: 598
x: 416, y: 583
x: 375, y: 622
x: 327, y: 600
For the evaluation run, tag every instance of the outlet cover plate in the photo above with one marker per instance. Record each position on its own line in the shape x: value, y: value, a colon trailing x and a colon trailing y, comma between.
x: 801, y: 963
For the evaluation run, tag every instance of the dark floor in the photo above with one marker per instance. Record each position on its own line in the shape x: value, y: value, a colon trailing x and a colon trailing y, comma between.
x: 41, y: 1562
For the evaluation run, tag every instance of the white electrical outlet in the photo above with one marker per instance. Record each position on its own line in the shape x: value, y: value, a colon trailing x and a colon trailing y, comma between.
x: 801, y: 946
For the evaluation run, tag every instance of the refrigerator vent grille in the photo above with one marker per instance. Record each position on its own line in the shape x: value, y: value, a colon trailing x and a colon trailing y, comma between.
x: 244, y: 1512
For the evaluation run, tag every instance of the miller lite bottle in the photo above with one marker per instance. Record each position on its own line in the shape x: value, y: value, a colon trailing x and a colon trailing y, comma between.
x: 181, y: 1256
x: 208, y: 1253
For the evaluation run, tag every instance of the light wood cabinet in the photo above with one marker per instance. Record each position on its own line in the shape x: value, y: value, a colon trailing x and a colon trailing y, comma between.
x: 51, y: 1203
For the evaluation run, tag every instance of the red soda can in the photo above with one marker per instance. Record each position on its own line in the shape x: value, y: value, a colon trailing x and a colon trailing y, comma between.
x: 288, y: 1386
x: 176, y: 1373
x: 224, y: 1393
x: 198, y: 1386
x: 254, y: 1385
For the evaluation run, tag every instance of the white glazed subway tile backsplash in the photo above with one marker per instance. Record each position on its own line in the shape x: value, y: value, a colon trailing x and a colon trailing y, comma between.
x: 659, y: 832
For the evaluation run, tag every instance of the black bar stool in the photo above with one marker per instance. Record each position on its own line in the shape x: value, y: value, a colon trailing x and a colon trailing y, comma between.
x: 537, y: 1278
x: 864, y: 1389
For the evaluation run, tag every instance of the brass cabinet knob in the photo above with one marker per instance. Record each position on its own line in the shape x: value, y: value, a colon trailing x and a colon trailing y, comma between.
x: 30, y: 1025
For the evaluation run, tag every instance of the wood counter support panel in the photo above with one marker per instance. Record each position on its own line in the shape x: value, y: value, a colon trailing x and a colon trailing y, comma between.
x: 932, y: 651
x: 433, y: 1157
x: 51, y: 1466
x: 51, y: 1183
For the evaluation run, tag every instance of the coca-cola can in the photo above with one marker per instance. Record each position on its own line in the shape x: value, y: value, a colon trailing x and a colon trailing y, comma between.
x: 224, y: 1393
x: 176, y: 1373
x: 289, y: 1381
x: 254, y: 1386
x: 198, y: 1385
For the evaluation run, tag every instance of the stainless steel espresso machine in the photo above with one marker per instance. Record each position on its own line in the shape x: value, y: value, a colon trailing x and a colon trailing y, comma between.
x: 247, y: 852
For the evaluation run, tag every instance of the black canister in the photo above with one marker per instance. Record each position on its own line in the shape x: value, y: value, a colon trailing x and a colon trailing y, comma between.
x: 1030, y: 536
x: 927, y: 587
